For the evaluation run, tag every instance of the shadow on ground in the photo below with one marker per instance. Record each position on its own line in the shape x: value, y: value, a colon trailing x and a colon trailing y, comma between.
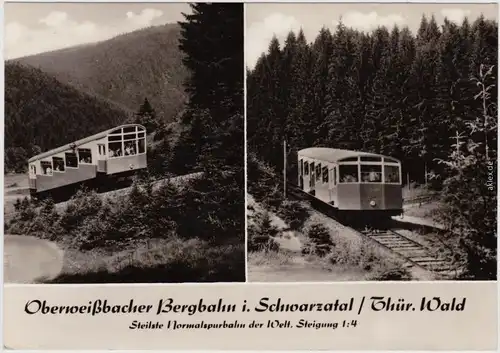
x: 173, y: 273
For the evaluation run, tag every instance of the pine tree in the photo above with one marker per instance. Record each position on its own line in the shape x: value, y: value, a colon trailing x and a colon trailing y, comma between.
x: 470, y: 197
x: 322, y: 51
x: 261, y: 235
x: 379, y: 118
x: 147, y: 116
x: 340, y: 103
x: 212, y: 39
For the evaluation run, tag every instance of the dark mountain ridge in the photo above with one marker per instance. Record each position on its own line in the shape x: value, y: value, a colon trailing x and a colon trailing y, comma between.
x: 124, y: 69
x: 42, y: 113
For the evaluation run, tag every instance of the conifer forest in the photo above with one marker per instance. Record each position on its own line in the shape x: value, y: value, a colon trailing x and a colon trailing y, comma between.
x: 427, y: 98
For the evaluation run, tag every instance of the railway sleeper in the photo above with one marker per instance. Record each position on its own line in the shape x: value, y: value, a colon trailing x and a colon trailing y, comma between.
x: 392, y: 240
x: 386, y: 240
x: 404, y: 248
x: 432, y: 264
x: 396, y: 247
x: 396, y: 241
x: 407, y: 247
x: 446, y: 270
x: 415, y: 254
x: 426, y: 258
x: 385, y: 236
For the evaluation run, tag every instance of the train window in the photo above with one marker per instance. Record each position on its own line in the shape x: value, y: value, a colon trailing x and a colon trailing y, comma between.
x: 306, y: 168
x: 334, y: 175
x: 85, y: 155
x: 58, y: 164
x: 141, y: 144
x: 71, y: 160
x: 115, y: 149
x: 141, y: 134
x: 32, y: 169
x: 318, y: 172
x: 130, y: 136
x: 371, y: 159
x: 348, y: 173
x: 371, y: 173
x: 391, y: 174
x: 325, y: 174
x: 390, y: 160
x: 350, y: 159
x: 128, y: 129
x: 130, y: 148
x: 301, y: 167
x: 46, y: 167
x: 115, y: 137
x: 117, y: 131
x: 102, y: 149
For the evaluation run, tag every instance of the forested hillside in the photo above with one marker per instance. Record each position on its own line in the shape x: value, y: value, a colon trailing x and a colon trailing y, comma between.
x: 186, y: 231
x: 389, y: 91
x: 427, y: 98
x: 42, y: 113
x: 125, y: 69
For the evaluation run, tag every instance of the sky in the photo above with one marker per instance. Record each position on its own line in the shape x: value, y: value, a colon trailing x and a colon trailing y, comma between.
x: 265, y: 20
x: 32, y: 28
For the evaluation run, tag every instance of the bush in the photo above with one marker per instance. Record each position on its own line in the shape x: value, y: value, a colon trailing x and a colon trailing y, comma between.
x: 260, y: 235
x: 392, y: 274
x: 294, y: 213
x: 83, y: 205
x: 319, y: 241
x: 263, y: 184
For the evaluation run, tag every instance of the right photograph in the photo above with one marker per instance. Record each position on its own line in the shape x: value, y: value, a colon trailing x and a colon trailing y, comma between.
x: 371, y: 142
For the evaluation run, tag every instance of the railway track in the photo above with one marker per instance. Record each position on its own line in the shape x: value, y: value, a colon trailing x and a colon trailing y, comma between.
x: 411, y: 252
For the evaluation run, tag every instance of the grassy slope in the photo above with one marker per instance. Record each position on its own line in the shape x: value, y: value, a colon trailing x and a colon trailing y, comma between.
x: 156, y: 260
x: 289, y: 265
x: 168, y: 259
x: 125, y: 69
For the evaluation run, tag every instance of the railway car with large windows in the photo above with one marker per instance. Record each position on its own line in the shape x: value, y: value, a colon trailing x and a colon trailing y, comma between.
x: 100, y: 159
x: 352, y: 182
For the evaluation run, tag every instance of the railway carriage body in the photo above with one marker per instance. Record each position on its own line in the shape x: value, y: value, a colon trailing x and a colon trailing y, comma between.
x: 113, y: 153
x: 352, y: 181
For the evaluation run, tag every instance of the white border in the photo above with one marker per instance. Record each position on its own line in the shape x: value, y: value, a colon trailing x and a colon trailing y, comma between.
x: 2, y: 95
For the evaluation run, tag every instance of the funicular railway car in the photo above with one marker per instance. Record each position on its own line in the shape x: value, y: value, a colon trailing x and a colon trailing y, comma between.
x: 355, y: 184
x: 102, y: 159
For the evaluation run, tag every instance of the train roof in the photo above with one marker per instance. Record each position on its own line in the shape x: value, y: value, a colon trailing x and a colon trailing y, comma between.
x: 333, y: 155
x: 79, y: 142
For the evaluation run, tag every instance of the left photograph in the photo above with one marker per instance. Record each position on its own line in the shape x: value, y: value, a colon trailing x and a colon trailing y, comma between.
x: 124, y: 143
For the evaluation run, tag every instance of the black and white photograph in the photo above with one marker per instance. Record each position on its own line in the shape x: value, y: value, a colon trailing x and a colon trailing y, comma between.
x: 124, y: 143
x: 371, y: 141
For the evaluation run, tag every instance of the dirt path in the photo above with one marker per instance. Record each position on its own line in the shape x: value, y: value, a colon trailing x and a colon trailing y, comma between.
x: 30, y: 260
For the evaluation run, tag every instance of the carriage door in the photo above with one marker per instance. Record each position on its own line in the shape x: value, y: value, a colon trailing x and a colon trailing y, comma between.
x: 331, y: 181
x: 301, y: 174
x: 101, y: 157
x: 101, y: 148
x: 312, y: 180
x: 333, y: 185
